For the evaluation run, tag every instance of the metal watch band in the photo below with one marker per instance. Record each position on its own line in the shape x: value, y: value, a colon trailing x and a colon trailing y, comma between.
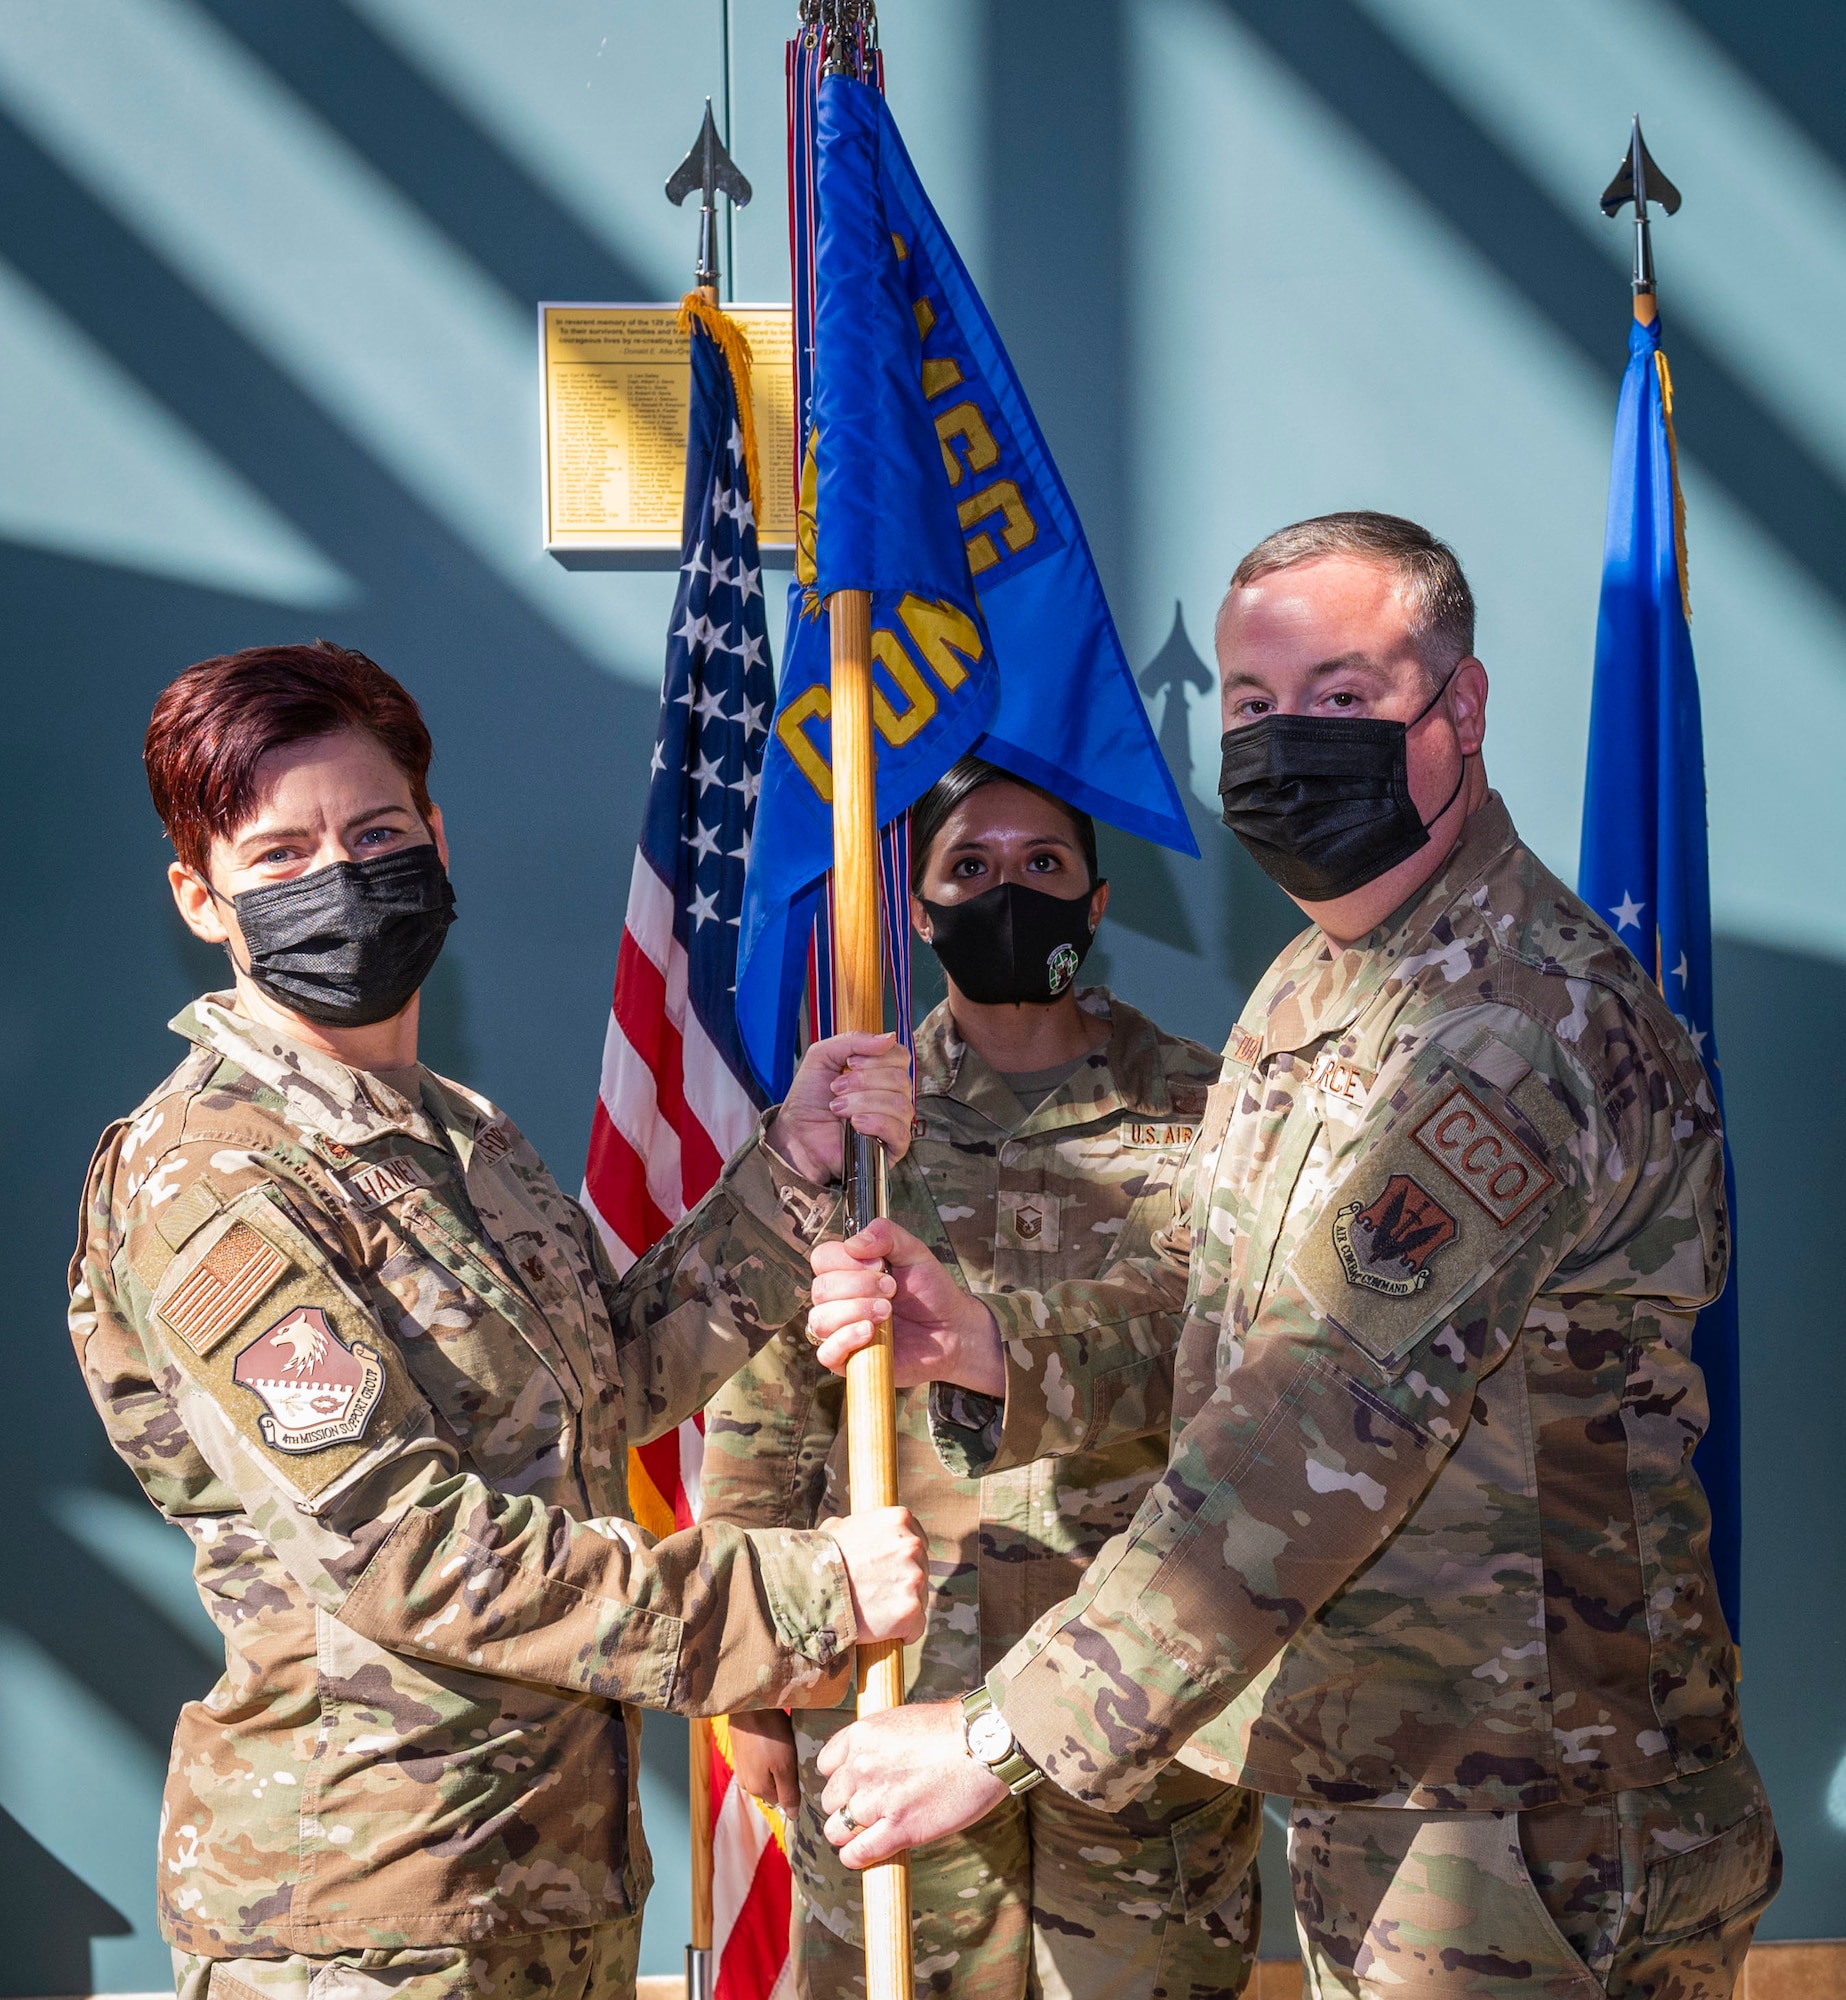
x: 1016, y: 1772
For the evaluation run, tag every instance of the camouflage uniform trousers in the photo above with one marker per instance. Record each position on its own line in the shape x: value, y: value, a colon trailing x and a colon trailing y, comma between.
x: 598, y: 1963
x: 1654, y: 1892
x: 1051, y: 1898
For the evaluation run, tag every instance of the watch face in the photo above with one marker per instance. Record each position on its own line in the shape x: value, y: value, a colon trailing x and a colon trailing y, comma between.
x: 990, y: 1737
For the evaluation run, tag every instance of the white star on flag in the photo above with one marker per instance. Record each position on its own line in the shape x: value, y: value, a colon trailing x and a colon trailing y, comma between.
x: 1628, y: 913
x: 710, y: 705
x: 707, y: 774
x: 704, y: 841
x: 704, y: 907
x: 697, y: 631
x: 1682, y: 971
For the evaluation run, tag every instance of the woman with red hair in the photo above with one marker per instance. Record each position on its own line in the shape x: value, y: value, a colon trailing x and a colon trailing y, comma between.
x: 351, y: 1337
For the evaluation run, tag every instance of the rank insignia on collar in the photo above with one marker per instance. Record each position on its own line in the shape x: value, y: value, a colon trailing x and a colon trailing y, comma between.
x: 1386, y: 1244
x: 316, y: 1390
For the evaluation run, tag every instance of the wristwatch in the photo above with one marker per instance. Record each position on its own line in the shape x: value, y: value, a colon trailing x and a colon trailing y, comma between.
x: 990, y: 1740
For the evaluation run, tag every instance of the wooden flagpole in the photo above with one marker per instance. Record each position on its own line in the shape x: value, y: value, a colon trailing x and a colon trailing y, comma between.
x: 871, y: 1405
x: 700, y: 1975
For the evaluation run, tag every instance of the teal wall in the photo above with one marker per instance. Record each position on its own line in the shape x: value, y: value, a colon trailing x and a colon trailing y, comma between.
x: 267, y: 277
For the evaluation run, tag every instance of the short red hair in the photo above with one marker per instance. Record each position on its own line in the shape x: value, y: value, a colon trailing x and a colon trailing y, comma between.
x: 219, y: 720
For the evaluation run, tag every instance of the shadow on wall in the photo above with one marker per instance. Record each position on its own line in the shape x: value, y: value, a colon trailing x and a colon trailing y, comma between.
x: 541, y: 760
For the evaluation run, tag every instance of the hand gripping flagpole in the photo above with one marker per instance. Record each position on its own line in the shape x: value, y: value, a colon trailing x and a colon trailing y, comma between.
x: 709, y: 171
x: 871, y: 1389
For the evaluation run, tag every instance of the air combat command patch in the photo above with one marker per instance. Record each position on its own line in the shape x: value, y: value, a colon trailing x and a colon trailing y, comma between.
x: 1386, y: 1244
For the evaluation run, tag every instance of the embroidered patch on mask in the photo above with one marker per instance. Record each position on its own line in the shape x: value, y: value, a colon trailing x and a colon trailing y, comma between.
x: 316, y: 1390
x: 1386, y: 1244
x: 227, y: 1282
x: 1029, y: 1221
x: 380, y: 1181
x: 1474, y: 1149
x: 1164, y: 1136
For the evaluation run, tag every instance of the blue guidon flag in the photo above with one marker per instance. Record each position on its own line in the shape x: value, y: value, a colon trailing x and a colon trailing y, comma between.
x: 1644, y: 865
x: 927, y: 482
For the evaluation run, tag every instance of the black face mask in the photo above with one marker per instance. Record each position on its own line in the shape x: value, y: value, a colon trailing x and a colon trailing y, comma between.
x: 1011, y: 944
x: 350, y: 943
x: 1322, y: 804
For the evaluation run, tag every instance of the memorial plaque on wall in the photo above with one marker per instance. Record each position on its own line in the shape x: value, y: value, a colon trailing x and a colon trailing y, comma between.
x: 617, y: 382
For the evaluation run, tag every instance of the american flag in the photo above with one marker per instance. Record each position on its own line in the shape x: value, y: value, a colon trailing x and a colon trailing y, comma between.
x: 677, y: 1096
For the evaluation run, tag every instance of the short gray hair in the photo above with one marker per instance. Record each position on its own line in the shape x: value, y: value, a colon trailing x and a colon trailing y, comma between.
x: 1436, y: 593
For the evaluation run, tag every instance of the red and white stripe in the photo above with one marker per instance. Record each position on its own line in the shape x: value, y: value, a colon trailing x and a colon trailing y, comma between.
x: 668, y: 1114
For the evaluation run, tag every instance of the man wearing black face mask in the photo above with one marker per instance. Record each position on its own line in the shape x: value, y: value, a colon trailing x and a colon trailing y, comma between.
x: 351, y: 1337
x: 1050, y: 1125
x: 1429, y: 1557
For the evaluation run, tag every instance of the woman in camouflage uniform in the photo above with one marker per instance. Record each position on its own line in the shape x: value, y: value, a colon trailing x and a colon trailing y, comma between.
x: 1049, y: 1127
x: 348, y: 1334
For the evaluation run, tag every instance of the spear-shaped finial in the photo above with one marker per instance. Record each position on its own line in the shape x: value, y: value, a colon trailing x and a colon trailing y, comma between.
x: 712, y: 171
x: 1640, y: 181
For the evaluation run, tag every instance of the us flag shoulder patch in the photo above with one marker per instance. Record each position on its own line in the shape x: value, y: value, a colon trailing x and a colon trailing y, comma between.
x: 214, y: 1297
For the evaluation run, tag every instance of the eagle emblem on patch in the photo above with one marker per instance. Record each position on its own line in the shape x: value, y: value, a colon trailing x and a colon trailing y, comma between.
x: 315, y: 1388
x: 1385, y: 1244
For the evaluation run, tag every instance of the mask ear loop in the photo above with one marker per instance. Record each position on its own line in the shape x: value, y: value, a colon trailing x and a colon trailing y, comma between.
x: 230, y: 903
x: 1461, y: 776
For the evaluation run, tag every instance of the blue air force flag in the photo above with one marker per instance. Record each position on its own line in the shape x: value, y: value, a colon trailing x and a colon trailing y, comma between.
x: 926, y: 481
x: 1644, y: 864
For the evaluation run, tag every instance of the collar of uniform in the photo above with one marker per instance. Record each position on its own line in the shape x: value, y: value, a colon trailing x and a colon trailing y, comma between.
x: 322, y: 1095
x: 1131, y: 1077
x: 462, y: 1115
x: 1318, y: 991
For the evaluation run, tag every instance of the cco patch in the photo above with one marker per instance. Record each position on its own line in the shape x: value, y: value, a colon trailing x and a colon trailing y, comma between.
x: 1482, y: 1157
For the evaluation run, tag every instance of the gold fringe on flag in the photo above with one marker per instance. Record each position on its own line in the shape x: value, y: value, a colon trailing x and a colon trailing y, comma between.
x: 695, y: 306
x: 1679, y: 496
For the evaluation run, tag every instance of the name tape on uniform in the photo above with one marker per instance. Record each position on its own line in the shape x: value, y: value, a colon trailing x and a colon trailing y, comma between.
x: 381, y: 1181
x: 1341, y: 1079
x: 1165, y: 1136
x: 1483, y: 1157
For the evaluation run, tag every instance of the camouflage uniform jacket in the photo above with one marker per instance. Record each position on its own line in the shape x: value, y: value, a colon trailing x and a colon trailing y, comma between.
x: 1006, y: 1198
x: 381, y: 1372
x: 1430, y: 1534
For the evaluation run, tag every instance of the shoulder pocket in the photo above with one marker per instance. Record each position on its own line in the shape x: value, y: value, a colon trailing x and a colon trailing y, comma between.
x: 1457, y: 1182
x: 252, y: 1313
